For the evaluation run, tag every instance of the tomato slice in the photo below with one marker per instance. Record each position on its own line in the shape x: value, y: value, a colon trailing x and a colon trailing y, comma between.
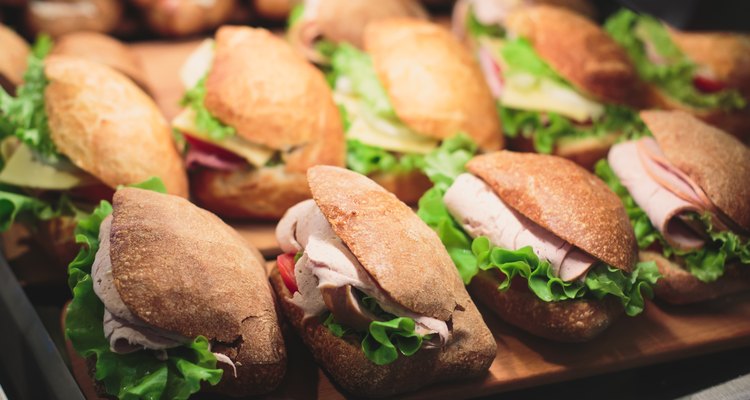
x: 285, y: 263
x: 708, y: 85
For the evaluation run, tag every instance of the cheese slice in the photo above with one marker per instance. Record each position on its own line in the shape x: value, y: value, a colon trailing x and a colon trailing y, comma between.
x: 254, y: 154
x: 197, y: 64
x: 23, y: 169
x: 526, y: 92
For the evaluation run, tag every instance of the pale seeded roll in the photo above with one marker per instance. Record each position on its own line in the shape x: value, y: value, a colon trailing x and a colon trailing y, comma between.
x: 57, y: 18
x: 434, y: 83
x: 185, y: 17
x: 678, y: 286
x: 563, y: 198
x: 181, y: 269
x: 105, y: 50
x: 108, y: 126
x: 581, y: 52
x: 13, y: 61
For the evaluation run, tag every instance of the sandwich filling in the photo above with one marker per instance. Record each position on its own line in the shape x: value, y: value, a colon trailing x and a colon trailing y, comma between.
x: 332, y: 285
x: 534, y: 101
x: 671, y: 214
x: 306, y: 34
x: 661, y: 62
x: 37, y: 182
x: 483, y: 234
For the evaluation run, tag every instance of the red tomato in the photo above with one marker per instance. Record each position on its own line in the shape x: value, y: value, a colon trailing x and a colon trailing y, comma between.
x: 708, y: 85
x: 285, y: 263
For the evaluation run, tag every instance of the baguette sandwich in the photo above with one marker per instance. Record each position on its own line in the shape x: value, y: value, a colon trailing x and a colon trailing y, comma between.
x: 169, y: 300
x: 687, y: 196
x: 254, y: 124
x: 705, y: 74
x: 414, y: 88
x: 74, y: 132
x: 13, y: 61
x: 372, y: 292
x: 542, y: 242
x: 563, y: 86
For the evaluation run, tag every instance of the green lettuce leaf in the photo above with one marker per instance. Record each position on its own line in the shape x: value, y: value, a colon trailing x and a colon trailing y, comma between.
x: 675, y: 75
x: 707, y: 264
x: 367, y: 159
x: 477, y: 29
x: 546, y: 129
x: 22, y: 208
x: 204, y: 120
x: 356, y: 66
x: 24, y: 116
x: 519, y: 56
x: 448, y: 161
x: 295, y: 15
x: 154, y: 184
x: 138, y: 375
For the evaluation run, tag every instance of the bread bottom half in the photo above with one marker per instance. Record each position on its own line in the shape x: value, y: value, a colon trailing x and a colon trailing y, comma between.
x: 469, y: 353
x: 577, y: 320
x: 582, y: 151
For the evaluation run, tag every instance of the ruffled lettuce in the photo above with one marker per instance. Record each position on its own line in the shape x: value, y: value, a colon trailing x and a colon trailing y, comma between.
x: 477, y: 29
x: 707, y: 264
x: 204, y: 120
x: 16, y: 206
x: 356, y: 67
x: 24, y: 116
x: 384, y: 339
x: 139, y: 375
x: 366, y: 159
x: 519, y: 56
x: 675, y: 74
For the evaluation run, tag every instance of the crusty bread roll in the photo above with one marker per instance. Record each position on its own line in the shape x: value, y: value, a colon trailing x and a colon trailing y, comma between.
x: 13, y: 60
x: 586, y: 151
x: 279, y: 101
x: 185, y: 17
x: 181, y: 269
x: 108, y: 127
x: 581, y: 52
x: 408, y: 261
x: 433, y: 81
x: 58, y: 17
x: 105, y: 50
x: 277, y: 10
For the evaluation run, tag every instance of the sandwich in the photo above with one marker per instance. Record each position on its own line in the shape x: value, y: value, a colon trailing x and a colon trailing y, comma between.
x: 57, y: 18
x: 378, y: 303
x: 413, y: 88
x: 274, y: 10
x: 13, y: 61
x: 176, y: 18
x: 74, y: 132
x: 563, y: 86
x: 316, y: 27
x: 255, y: 124
x: 541, y: 242
x: 103, y: 49
x: 169, y: 300
x: 686, y: 193
x: 705, y: 74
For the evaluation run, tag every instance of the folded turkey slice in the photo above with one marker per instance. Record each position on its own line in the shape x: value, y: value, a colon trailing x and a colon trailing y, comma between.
x: 327, y: 272
x: 481, y: 212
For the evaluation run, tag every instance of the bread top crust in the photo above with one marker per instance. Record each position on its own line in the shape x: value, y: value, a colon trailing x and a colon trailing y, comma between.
x: 715, y: 160
x: 402, y: 254
x: 581, y: 52
x: 13, y: 60
x: 108, y: 127
x: 345, y: 20
x: 272, y: 96
x: 103, y: 49
x: 563, y: 198
x: 433, y: 81
x: 181, y: 269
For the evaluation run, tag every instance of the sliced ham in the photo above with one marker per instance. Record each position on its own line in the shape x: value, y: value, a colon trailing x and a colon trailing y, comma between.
x: 491, y: 70
x: 327, y: 263
x: 665, y: 194
x: 125, y: 332
x: 481, y: 212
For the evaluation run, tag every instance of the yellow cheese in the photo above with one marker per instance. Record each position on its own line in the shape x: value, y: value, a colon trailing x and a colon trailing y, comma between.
x: 255, y: 154
x: 526, y: 92
x: 197, y: 64
x: 23, y: 169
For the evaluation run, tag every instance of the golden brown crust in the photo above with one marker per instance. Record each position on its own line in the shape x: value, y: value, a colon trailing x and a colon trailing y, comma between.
x: 678, y: 286
x: 581, y: 52
x: 273, y: 9
x: 186, y: 17
x: 469, y: 353
x: 394, y: 246
x: 726, y: 55
x: 108, y: 127
x: 565, y: 321
x: 169, y: 255
x: 409, y: 188
x: 13, y: 61
x: 713, y: 159
x: 585, y: 152
x: 105, y: 50
x: 57, y: 18
x: 563, y: 198
x: 345, y: 20
x: 433, y: 81
x: 278, y: 100
x: 264, y: 193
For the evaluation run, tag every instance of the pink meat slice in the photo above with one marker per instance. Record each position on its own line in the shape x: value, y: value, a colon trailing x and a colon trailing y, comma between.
x: 481, y: 212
